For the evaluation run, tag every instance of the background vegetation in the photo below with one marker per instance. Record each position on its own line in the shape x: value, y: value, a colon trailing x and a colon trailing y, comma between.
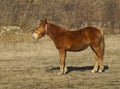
x: 26, y: 64
x: 26, y: 14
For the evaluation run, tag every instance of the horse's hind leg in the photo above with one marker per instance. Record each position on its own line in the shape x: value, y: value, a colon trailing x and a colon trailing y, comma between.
x: 96, y: 63
x: 101, y: 64
x: 99, y: 54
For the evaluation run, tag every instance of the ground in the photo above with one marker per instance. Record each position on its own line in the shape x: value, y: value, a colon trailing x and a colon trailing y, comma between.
x: 26, y: 64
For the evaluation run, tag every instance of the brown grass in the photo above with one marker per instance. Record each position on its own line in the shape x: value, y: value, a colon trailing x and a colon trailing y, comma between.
x: 25, y: 64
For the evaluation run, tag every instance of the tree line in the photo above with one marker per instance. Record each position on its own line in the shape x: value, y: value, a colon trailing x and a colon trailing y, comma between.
x: 70, y: 13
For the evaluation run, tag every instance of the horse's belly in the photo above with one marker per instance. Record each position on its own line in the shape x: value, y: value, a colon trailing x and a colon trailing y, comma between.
x: 77, y: 47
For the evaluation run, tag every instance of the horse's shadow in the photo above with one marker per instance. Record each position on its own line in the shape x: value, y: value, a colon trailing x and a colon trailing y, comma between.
x: 74, y: 68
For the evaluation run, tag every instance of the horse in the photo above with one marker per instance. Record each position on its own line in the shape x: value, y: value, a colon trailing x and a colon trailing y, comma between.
x: 77, y: 40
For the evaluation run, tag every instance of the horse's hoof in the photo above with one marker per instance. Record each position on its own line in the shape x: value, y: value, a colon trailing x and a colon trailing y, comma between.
x: 100, y: 71
x: 60, y: 73
x: 93, y: 71
x: 65, y: 71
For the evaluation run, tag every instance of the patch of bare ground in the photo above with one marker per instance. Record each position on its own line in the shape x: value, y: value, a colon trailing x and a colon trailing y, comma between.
x: 25, y: 64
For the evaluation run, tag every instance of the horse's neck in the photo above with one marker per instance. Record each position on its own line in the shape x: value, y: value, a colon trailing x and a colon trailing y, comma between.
x: 54, y: 32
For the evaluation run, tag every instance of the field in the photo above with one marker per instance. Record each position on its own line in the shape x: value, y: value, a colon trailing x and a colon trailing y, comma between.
x: 26, y: 64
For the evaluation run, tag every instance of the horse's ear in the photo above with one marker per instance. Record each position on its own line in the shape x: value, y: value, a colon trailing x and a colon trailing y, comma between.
x: 44, y: 20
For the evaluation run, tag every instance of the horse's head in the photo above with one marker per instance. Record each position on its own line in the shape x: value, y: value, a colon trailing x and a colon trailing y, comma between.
x: 41, y: 30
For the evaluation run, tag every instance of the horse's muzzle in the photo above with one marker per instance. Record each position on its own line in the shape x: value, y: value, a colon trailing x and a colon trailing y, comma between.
x: 35, y: 36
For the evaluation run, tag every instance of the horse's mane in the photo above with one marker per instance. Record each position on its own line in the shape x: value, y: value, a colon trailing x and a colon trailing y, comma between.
x: 61, y: 28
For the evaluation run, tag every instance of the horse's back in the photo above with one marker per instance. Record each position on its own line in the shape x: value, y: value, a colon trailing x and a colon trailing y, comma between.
x: 92, y: 30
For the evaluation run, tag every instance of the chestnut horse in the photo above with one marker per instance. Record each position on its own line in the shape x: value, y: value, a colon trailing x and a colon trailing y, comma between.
x: 66, y: 40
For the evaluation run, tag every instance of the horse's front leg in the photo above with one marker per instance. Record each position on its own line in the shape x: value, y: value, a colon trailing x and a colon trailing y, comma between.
x: 63, y: 68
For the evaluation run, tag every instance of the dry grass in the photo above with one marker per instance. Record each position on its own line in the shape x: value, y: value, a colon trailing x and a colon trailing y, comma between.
x: 25, y: 64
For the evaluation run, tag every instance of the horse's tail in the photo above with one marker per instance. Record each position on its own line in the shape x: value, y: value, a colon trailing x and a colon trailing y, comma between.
x: 103, y: 43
